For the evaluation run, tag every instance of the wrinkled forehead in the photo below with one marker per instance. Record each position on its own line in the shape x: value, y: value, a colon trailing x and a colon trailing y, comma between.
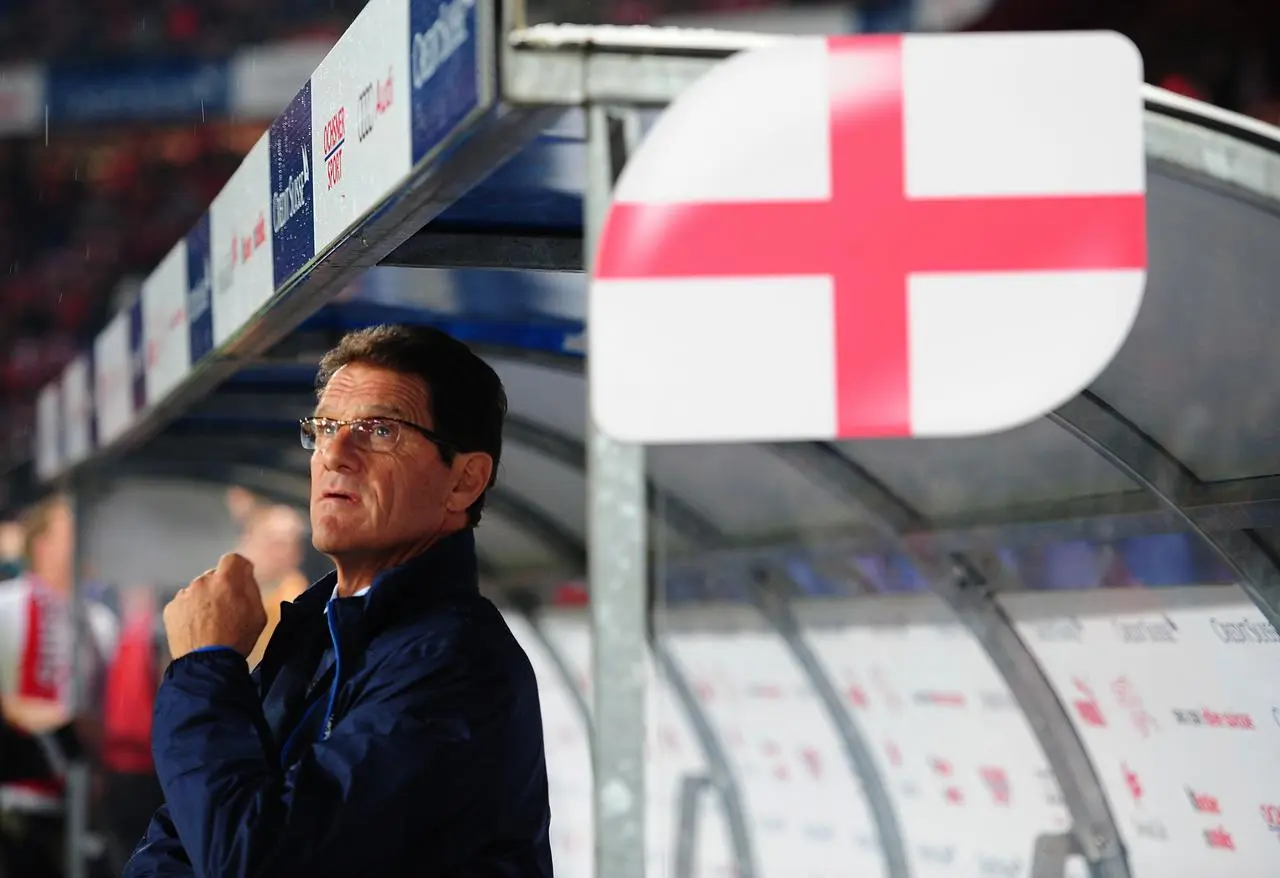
x: 359, y: 390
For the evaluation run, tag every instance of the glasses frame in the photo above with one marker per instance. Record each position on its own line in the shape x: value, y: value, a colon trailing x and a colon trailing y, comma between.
x: 313, y: 420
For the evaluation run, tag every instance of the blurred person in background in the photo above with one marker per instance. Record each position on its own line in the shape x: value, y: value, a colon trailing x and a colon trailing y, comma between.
x: 393, y: 727
x: 272, y: 542
x: 131, y: 791
x: 36, y: 661
x: 10, y: 550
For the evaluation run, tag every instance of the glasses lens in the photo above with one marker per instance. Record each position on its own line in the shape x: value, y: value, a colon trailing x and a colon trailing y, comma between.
x: 307, y: 433
x: 376, y: 435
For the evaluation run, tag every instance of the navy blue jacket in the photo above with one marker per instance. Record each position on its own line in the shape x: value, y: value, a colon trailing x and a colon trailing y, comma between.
x: 416, y: 752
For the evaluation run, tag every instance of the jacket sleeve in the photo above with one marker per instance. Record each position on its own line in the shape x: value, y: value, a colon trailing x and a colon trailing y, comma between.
x: 160, y: 853
x: 418, y: 755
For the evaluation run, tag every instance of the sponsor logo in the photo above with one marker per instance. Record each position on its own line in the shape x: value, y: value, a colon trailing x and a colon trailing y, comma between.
x: 939, y: 699
x: 1141, y: 718
x: 1163, y: 630
x: 439, y: 42
x: 951, y: 794
x: 1143, y: 828
x: 1271, y: 817
x: 1203, y: 802
x: 1244, y: 631
x: 1087, y: 705
x: 1213, y: 719
x: 999, y: 867
x: 1219, y: 839
x: 287, y: 203
x: 940, y: 854
x: 1065, y: 630
x: 812, y: 760
x: 997, y: 781
x: 857, y: 696
x: 374, y: 100
x: 334, y: 139
x: 1133, y: 782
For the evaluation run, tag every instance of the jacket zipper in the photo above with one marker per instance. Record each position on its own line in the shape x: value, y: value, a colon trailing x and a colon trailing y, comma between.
x: 337, y: 673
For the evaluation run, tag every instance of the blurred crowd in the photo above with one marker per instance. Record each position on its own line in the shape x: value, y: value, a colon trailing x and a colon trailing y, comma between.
x: 97, y: 30
x: 79, y: 214
x: 45, y: 724
x: 77, y: 217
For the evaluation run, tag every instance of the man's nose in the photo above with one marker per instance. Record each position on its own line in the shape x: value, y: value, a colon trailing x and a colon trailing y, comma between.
x: 339, y: 451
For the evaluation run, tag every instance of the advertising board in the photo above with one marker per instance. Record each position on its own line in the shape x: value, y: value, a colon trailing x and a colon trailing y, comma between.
x: 21, y: 98
x: 164, y: 318
x: 292, y: 189
x: 141, y: 90
x: 672, y: 756
x: 360, y: 119
x: 568, y: 746
x: 806, y: 811
x: 451, y: 68
x: 113, y: 379
x: 77, y: 410
x: 968, y: 780
x: 1175, y: 693
x: 240, y: 240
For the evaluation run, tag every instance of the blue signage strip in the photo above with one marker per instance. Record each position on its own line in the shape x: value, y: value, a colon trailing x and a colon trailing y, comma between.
x: 153, y: 90
x: 293, y: 243
x: 138, y: 356
x: 444, y: 69
x: 200, y: 289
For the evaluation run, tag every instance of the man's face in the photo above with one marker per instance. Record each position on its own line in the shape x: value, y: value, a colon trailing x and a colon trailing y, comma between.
x: 370, y: 503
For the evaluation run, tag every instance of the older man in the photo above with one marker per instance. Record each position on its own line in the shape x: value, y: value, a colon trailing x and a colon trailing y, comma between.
x: 393, y: 727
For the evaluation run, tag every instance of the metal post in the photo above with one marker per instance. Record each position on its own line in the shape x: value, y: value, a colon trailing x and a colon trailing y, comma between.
x: 78, y: 785
x: 616, y: 531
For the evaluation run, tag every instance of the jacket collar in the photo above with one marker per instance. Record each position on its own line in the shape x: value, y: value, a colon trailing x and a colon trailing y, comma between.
x: 446, y: 570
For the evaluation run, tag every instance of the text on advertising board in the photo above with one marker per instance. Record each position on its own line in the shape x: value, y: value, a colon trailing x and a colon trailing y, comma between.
x: 292, y: 206
x: 443, y: 69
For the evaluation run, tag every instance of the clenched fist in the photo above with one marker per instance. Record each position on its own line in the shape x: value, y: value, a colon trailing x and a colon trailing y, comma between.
x: 221, y: 607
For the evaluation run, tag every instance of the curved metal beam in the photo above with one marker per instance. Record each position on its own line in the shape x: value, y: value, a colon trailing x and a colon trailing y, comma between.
x: 968, y: 587
x: 773, y: 605
x: 1140, y: 457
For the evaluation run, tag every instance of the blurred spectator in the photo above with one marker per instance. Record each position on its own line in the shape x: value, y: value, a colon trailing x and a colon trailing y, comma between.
x: 36, y: 653
x: 272, y: 542
x: 131, y: 786
x: 10, y: 550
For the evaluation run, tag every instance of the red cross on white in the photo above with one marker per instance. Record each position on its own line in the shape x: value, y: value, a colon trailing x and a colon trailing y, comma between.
x: 869, y: 237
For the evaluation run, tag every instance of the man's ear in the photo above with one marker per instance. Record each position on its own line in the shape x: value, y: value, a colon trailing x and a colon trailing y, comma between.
x: 472, y: 472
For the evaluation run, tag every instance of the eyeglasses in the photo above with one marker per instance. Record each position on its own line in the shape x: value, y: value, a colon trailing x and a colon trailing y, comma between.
x: 372, y: 434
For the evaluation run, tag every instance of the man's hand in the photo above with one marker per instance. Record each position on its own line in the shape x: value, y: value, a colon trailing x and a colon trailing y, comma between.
x: 221, y: 607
